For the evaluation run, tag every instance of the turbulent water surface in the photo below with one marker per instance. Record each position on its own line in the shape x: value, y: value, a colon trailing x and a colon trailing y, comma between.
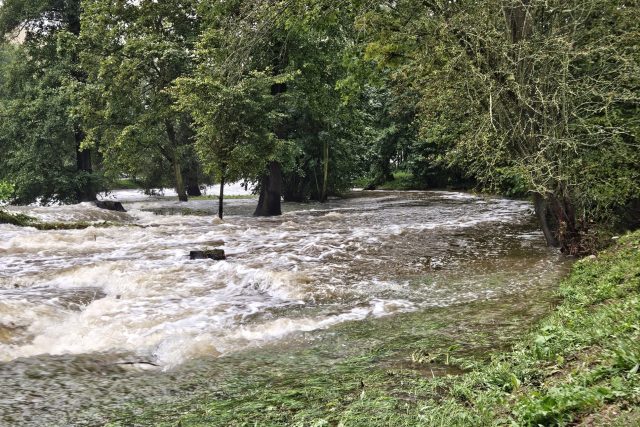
x: 91, y: 319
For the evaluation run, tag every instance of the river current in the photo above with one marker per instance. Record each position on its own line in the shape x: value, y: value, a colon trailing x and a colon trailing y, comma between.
x: 94, y: 318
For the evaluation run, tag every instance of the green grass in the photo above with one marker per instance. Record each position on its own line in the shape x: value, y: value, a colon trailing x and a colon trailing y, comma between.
x: 125, y: 184
x: 22, y: 220
x: 580, y: 364
x: 360, y: 182
x: 15, y: 219
x: 401, y: 181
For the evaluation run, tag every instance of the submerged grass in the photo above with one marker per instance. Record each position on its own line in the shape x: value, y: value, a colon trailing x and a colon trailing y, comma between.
x: 578, y: 366
x: 22, y: 220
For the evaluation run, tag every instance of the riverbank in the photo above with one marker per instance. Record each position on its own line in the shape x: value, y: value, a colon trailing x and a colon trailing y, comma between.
x: 578, y: 366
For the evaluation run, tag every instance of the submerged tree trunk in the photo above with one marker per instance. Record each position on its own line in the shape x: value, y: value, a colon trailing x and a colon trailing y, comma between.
x: 180, y: 188
x: 221, y: 198
x: 569, y: 232
x: 270, y: 192
x: 193, y: 186
x: 192, y: 178
x: 325, y: 171
x: 175, y: 160
x: 87, y: 192
x: 269, y: 203
x: 542, y: 212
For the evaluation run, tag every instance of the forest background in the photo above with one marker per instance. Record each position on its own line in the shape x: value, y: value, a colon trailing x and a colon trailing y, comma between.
x: 304, y: 99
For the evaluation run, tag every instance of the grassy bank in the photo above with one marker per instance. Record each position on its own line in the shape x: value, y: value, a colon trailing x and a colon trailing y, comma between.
x: 578, y: 366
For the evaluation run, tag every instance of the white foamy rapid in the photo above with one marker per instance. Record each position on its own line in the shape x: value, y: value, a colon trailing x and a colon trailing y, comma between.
x: 133, y: 289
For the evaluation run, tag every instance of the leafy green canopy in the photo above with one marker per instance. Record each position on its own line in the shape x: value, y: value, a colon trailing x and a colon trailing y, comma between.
x: 533, y: 96
x: 40, y: 131
x: 133, y: 54
x: 267, y: 89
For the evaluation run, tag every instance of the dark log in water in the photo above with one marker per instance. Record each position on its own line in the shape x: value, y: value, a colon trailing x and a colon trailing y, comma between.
x: 110, y: 205
x: 215, y: 254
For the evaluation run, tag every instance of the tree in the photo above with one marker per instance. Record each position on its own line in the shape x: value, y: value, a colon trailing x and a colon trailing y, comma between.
x: 233, y: 124
x: 134, y: 53
x: 298, y: 48
x: 324, y: 124
x: 43, y: 138
x: 544, y: 94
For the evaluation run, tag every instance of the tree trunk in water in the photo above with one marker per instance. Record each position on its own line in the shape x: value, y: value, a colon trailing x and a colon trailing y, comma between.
x: 193, y: 189
x: 221, y: 198
x: 177, y: 169
x: 83, y: 164
x: 542, y: 212
x: 569, y: 234
x: 270, y: 192
x: 293, y: 187
x: 191, y: 178
x: 325, y: 172
x: 269, y: 203
x: 180, y: 189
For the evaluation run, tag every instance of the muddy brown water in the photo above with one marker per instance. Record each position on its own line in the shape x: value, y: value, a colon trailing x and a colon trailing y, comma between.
x: 91, y: 320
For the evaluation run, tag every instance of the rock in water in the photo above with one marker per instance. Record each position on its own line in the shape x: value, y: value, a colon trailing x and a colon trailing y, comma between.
x: 110, y: 205
x: 215, y: 254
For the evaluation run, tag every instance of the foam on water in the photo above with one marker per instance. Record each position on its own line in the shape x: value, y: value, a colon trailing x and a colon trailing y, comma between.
x: 313, y: 268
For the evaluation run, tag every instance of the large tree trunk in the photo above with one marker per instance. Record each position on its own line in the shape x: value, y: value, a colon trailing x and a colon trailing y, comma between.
x: 269, y: 203
x: 180, y: 188
x: 192, y: 177
x: 221, y: 198
x: 325, y: 171
x: 175, y: 160
x: 542, y: 212
x: 193, y: 186
x: 270, y: 192
x: 83, y: 165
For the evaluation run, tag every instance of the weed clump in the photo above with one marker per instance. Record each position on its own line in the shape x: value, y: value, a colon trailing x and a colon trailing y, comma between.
x: 20, y: 220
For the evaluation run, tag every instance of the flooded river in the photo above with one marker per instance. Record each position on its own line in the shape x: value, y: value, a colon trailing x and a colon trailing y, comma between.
x: 93, y: 319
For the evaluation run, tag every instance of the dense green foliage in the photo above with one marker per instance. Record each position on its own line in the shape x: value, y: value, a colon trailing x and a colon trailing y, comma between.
x: 532, y: 97
x: 525, y: 98
x: 578, y: 365
x: 132, y: 54
x: 40, y: 131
